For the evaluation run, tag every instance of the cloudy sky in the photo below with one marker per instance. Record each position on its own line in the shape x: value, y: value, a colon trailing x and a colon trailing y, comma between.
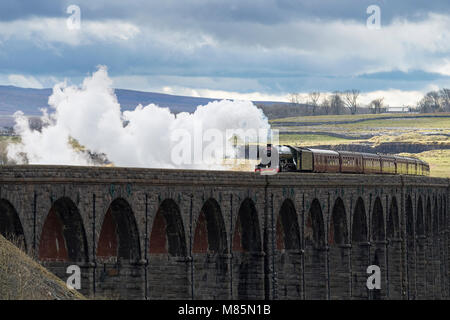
x: 241, y: 49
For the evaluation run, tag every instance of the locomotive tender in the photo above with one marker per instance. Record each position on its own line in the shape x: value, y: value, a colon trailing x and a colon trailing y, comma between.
x: 297, y: 159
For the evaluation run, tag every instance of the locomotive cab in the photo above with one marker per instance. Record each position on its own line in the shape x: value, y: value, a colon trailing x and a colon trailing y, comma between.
x: 287, y: 157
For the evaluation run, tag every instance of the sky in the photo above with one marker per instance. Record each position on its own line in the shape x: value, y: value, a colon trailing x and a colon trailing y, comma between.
x: 235, y: 49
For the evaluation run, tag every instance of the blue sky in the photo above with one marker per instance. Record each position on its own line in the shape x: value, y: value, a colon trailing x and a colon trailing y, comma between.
x: 255, y: 49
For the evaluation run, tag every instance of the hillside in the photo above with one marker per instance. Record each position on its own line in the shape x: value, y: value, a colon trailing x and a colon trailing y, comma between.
x: 31, y: 100
x: 22, y: 278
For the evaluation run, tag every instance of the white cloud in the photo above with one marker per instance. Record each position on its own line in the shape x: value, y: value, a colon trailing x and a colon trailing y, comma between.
x: 442, y: 66
x: 221, y: 94
x: 20, y: 80
x: 46, y: 31
x: 315, y: 48
x: 209, y: 87
x: 320, y: 46
x: 393, y: 97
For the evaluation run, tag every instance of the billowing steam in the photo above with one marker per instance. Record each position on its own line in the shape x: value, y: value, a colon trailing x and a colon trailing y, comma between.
x: 148, y: 136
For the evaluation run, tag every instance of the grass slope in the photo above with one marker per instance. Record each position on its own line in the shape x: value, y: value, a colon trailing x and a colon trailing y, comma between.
x: 22, y: 278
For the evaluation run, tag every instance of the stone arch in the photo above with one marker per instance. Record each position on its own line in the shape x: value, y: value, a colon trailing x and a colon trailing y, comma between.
x: 378, y: 236
x: 167, y: 234
x: 168, y: 271
x: 119, y: 235
x: 428, y: 230
x: 338, y: 227
x: 394, y: 254
x: 445, y: 249
x: 360, y: 250
x: 288, y: 231
x: 428, y: 218
x: 63, y: 237
x: 209, y: 247
x: 442, y: 246
x: 392, y: 225
x: 247, y: 249
x: 410, y: 248
x: 118, y: 249
x: 288, y: 261
x: 247, y: 233
x: 409, y: 218
x: 315, y: 254
x: 420, y: 251
x: 420, y: 222
x: 437, y: 277
x: 359, y: 223
x: 377, y: 232
x: 445, y: 212
x: 210, y: 234
x: 10, y: 225
x: 435, y: 217
x: 314, y: 229
x: 339, y: 252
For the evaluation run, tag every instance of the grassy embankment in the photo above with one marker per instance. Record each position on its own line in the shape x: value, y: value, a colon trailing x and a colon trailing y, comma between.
x: 22, y: 278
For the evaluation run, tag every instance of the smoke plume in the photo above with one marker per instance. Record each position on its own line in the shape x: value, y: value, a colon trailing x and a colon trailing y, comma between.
x: 144, y: 137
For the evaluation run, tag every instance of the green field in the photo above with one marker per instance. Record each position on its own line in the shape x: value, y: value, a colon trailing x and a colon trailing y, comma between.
x: 311, y: 139
x: 346, y: 117
x: 401, y: 129
x: 439, y: 161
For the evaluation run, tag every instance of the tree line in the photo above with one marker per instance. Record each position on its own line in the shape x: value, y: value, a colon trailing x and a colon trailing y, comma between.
x: 320, y: 103
x: 347, y: 102
x: 435, y: 101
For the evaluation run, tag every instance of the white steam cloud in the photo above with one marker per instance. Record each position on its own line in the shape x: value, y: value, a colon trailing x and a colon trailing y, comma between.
x: 143, y: 137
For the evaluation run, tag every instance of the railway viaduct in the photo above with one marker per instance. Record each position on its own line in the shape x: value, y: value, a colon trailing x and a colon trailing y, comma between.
x: 179, y: 234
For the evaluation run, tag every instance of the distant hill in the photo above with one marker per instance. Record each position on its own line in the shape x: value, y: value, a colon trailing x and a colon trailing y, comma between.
x: 31, y: 100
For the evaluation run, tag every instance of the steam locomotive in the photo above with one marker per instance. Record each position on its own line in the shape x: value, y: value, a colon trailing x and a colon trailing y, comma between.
x: 296, y: 159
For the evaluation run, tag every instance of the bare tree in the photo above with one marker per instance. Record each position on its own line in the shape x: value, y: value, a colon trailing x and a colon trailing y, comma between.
x: 431, y: 102
x: 325, y: 105
x: 351, y: 100
x: 336, y: 102
x: 435, y: 99
x: 445, y: 96
x: 314, y: 100
x: 294, y: 98
x: 377, y: 105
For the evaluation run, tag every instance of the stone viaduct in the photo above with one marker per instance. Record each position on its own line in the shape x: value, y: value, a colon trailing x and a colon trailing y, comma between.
x: 181, y: 234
